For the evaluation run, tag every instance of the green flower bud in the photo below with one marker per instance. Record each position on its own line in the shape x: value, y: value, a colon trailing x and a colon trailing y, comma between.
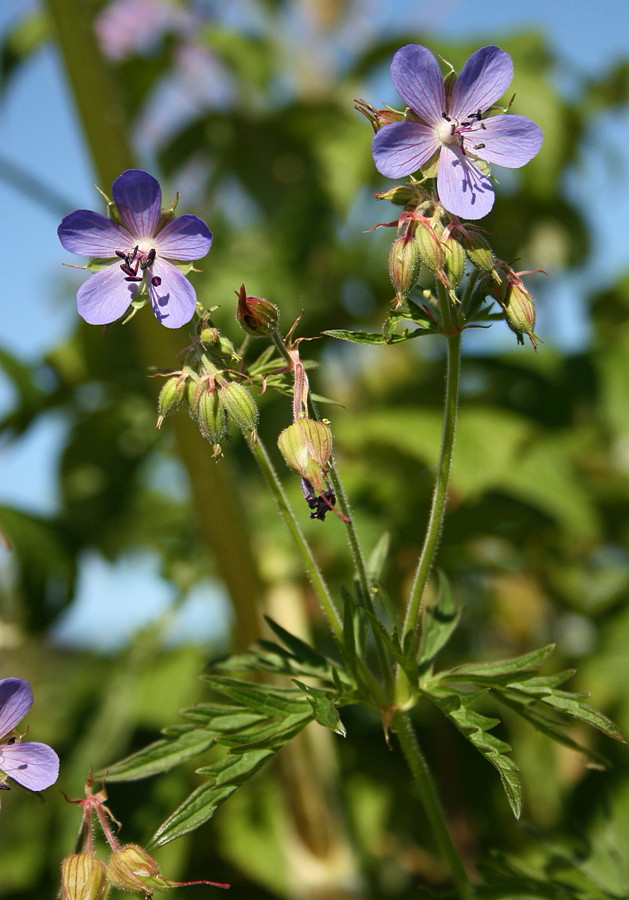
x: 132, y: 869
x: 401, y: 195
x: 519, y: 310
x: 220, y: 346
x: 258, y: 317
x: 478, y: 250
x: 306, y: 446
x: 239, y: 405
x: 404, y: 265
x: 453, y: 259
x: 429, y: 245
x: 210, y: 416
x: 170, y: 397
x: 82, y: 877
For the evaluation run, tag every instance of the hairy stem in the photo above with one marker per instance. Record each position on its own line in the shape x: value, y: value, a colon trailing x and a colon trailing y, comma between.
x: 432, y: 805
x: 440, y: 493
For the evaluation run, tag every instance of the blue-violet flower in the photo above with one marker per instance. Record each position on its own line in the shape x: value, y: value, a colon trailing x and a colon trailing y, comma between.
x: 34, y: 766
x: 451, y: 124
x: 143, y: 240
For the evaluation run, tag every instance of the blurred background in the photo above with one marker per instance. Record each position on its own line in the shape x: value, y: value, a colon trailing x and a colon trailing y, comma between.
x: 132, y: 558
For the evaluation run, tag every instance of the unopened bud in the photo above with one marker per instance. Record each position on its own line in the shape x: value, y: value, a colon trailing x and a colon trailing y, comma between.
x: 132, y: 869
x: 240, y: 405
x: 220, y: 346
x: 170, y: 397
x: 429, y: 245
x: 453, y: 259
x: 519, y: 310
x: 210, y: 415
x: 401, y: 195
x: 306, y: 445
x: 258, y: 317
x: 478, y: 250
x: 82, y: 877
x: 378, y: 117
x: 404, y: 264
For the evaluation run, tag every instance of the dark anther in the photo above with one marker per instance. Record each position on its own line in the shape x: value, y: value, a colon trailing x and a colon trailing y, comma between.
x: 156, y: 281
x: 320, y: 503
x: 128, y: 270
x: 133, y: 278
x: 150, y: 259
x: 446, y: 117
x: 121, y: 255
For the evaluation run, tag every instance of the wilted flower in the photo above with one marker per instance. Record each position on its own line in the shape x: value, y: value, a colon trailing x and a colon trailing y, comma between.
x: 452, y: 125
x: 144, y: 239
x: 34, y: 766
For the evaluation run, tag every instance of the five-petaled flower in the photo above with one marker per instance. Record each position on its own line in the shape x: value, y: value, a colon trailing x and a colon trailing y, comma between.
x: 34, y: 766
x: 451, y: 124
x: 143, y: 239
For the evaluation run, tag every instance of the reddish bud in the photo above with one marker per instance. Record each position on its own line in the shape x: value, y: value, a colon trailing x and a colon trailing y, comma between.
x: 258, y: 317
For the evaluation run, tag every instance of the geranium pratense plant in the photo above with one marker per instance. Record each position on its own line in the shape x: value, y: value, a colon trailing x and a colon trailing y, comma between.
x: 34, y: 766
x: 448, y: 120
x: 144, y: 238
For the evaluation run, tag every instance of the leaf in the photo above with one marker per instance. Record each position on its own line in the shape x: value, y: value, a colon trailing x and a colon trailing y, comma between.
x: 501, y: 671
x: 438, y: 624
x: 325, y: 712
x: 262, y: 698
x: 160, y: 756
x: 475, y: 727
x: 374, y: 337
x: 227, y: 776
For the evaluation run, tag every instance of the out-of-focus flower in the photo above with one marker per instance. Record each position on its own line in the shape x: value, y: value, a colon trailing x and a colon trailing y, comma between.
x: 144, y: 238
x: 34, y: 766
x: 451, y: 124
x: 125, y: 27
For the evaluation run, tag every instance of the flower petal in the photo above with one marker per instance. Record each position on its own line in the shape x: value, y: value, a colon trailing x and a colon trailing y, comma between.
x: 485, y: 77
x: 463, y: 190
x: 510, y: 141
x: 418, y: 80
x: 88, y: 233
x: 16, y: 698
x: 185, y: 238
x: 138, y: 197
x: 403, y: 147
x: 174, y: 300
x: 34, y: 766
x: 105, y: 296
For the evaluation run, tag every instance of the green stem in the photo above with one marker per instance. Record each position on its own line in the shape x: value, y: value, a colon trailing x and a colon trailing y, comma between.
x: 432, y: 805
x: 310, y: 564
x: 439, y: 498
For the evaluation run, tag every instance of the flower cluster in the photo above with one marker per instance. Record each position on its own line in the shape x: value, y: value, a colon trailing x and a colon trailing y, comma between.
x: 141, y: 239
x: 447, y: 125
x: 32, y: 765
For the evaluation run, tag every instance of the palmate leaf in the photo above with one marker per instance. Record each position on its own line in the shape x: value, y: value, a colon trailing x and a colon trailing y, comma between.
x: 160, y: 756
x: 476, y: 727
x: 226, y: 776
x: 538, y: 699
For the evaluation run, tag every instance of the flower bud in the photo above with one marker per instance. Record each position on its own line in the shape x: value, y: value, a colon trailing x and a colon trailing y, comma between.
x: 404, y: 265
x: 82, y: 877
x: 209, y: 413
x: 401, y: 195
x: 378, y: 117
x: 239, y: 405
x: 258, y: 317
x: 478, y: 250
x: 453, y: 259
x: 170, y: 397
x: 519, y: 310
x: 306, y: 446
x: 220, y: 346
x: 429, y: 245
x: 132, y: 869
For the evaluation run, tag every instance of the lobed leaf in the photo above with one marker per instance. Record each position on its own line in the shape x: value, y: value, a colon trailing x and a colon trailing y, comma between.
x: 475, y: 727
x: 160, y: 756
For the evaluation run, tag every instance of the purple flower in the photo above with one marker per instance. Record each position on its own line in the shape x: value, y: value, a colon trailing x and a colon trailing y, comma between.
x: 144, y: 241
x: 454, y: 128
x: 34, y: 766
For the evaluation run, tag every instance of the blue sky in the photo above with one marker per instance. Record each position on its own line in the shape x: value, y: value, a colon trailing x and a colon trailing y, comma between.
x: 38, y: 131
